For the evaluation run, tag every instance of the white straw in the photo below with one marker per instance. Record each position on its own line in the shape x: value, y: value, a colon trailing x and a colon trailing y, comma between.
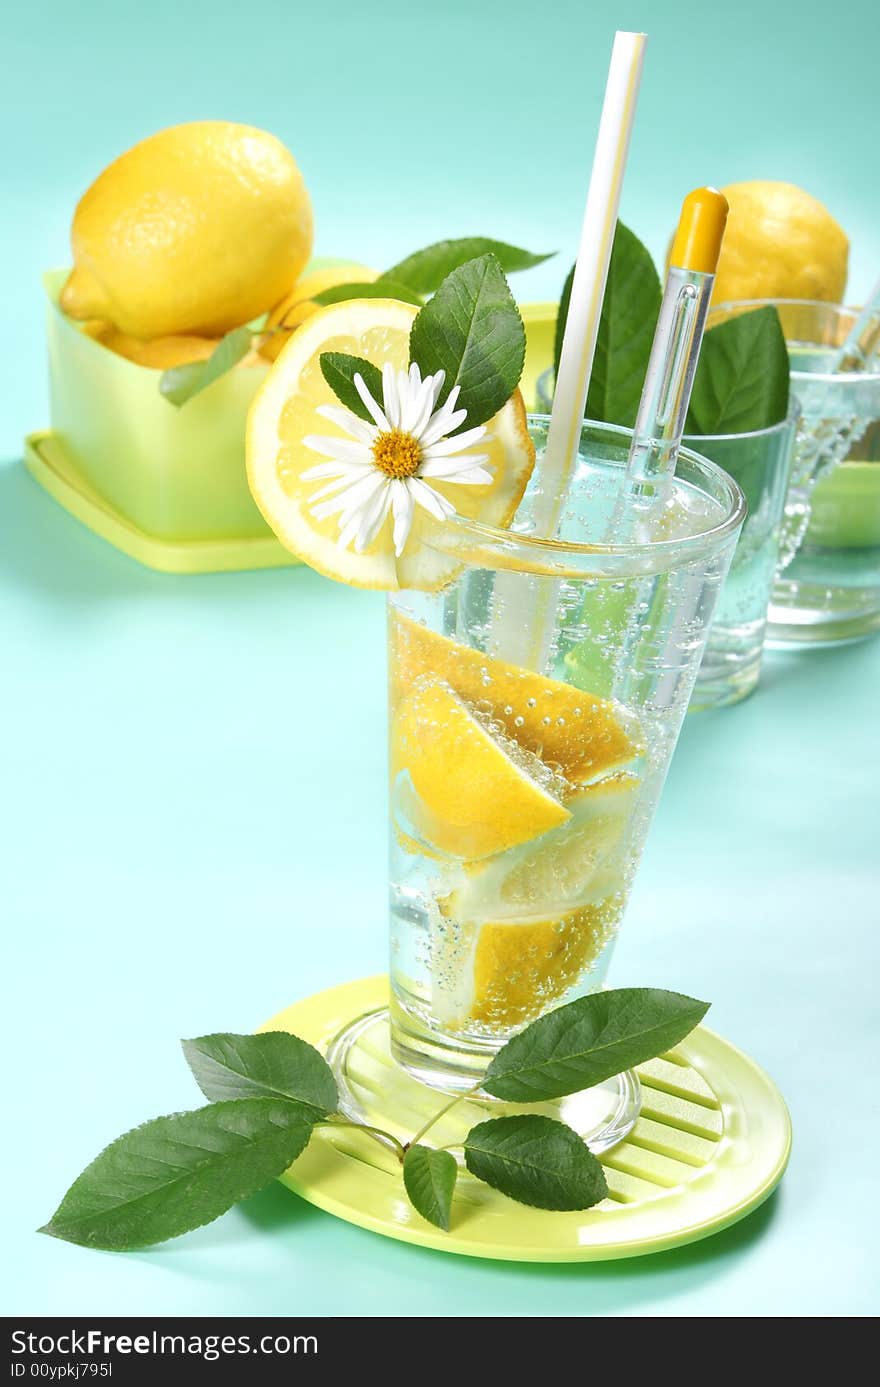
x: 590, y: 275
x: 526, y: 633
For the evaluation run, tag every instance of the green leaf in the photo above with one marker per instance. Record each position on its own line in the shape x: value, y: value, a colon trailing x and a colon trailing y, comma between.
x: 425, y: 270
x: 537, y: 1161
x: 471, y: 329
x: 626, y: 330
x: 562, y: 319
x: 180, y: 383
x: 382, y: 288
x: 339, y: 371
x: 429, y: 1177
x: 272, y: 1065
x: 179, y: 1172
x: 590, y: 1040
x: 742, y: 376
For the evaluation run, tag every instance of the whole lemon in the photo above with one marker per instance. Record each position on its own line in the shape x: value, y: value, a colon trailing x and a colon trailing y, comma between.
x: 195, y: 230
x: 298, y: 305
x: 159, y: 354
x: 780, y: 243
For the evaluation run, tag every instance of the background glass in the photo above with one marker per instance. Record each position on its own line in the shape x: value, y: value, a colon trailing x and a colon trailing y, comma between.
x: 828, y: 585
x: 759, y: 462
x: 486, y: 933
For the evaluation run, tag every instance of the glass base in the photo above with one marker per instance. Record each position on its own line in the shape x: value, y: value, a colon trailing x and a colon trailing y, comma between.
x: 826, y: 597
x: 725, y: 679
x: 392, y: 1086
x: 789, y: 627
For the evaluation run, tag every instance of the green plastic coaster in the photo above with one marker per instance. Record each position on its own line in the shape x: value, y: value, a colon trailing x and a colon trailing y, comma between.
x: 711, y: 1143
x: 49, y: 464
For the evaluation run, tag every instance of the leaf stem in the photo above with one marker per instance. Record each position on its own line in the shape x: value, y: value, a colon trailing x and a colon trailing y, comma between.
x: 377, y: 1133
x: 469, y: 1093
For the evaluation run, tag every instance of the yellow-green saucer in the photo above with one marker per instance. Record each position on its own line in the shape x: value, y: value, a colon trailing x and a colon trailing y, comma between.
x: 711, y: 1143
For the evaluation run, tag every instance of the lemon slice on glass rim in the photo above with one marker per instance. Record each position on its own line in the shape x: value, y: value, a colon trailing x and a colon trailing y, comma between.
x: 285, y: 413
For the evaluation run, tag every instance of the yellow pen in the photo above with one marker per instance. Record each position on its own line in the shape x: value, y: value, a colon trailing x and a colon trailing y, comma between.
x: 676, y: 347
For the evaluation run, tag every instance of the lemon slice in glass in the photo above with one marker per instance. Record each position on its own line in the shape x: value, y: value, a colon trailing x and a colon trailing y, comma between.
x: 469, y: 791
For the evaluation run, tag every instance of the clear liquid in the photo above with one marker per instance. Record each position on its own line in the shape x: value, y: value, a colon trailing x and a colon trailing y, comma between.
x: 731, y: 665
x: 497, y: 915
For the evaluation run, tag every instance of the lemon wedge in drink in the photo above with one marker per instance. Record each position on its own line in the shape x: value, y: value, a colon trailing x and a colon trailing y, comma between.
x: 581, y: 734
x: 570, y: 866
x: 285, y: 413
x: 467, y: 791
x: 496, y: 974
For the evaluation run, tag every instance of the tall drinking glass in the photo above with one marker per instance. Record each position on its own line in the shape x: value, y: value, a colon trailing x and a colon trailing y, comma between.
x: 828, y: 582
x: 522, y: 788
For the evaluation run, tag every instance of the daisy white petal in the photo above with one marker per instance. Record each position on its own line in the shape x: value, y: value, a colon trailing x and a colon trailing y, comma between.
x: 437, y: 383
x: 448, y: 405
x: 445, y: 447
x: 392, y: 395
x: 422, y: 407
x: 349, y: 500
x: 334, y: 468
x: 343, y: 449
x: 446, y: 469
x: 430, y: 500
x: 376, y: 413
x: 412, y: 390
x: 402, y: 504
x: 474, y: 476
x: 352, y: 523
x: 445, y: 420
x: 373, y: 519
x: 437, y: 424
x: 347, y: 532
x: 445, y: 426
x: 338, y: 484
x: 358, y: 428
x: 398, y: 384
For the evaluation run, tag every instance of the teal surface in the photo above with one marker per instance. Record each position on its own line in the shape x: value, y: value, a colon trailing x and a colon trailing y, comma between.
x: 191, y: 770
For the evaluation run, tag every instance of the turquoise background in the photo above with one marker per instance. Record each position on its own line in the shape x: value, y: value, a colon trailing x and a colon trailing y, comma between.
x: 191, y: 831
x: 434, y: 120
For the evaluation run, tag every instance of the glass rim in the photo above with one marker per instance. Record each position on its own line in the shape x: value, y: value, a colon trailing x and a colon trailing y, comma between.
x: 826, y: 377
x: 559, y: 558
x: 791, y: 418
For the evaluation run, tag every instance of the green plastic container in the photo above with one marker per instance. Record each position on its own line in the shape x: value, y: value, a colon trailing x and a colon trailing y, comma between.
x: 175, y: 474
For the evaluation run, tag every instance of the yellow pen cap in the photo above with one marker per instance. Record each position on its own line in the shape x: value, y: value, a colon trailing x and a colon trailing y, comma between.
x: 697, y: 242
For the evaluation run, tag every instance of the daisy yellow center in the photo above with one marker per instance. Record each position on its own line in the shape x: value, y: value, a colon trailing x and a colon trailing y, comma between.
x: 397, y: 454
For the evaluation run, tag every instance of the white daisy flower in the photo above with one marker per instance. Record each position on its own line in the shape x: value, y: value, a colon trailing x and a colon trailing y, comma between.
x: 389, y: 464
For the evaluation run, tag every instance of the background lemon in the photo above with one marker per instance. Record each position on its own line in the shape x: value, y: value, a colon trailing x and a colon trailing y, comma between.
x: 197, y: 229
x: 299, y: 304
x: 160, y: 354
x: 780, y: 243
